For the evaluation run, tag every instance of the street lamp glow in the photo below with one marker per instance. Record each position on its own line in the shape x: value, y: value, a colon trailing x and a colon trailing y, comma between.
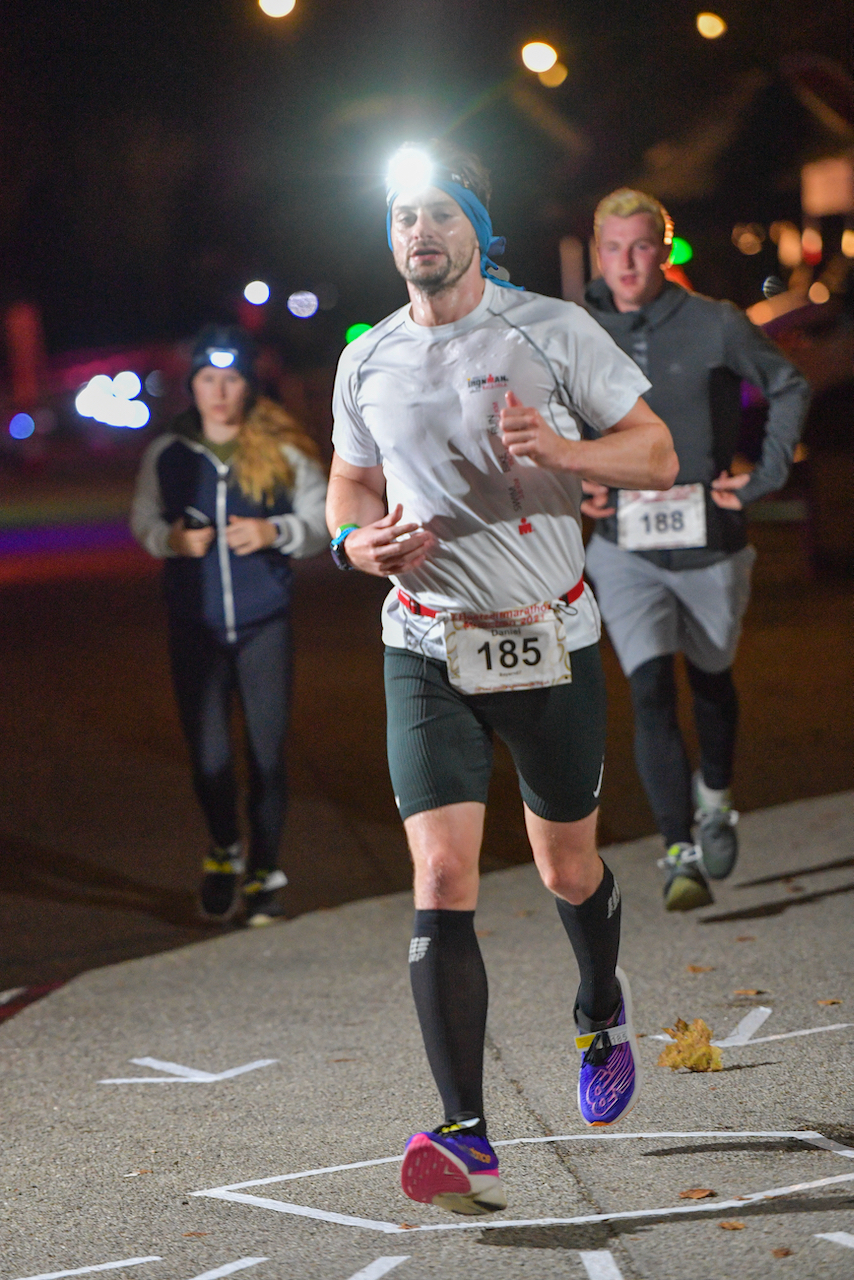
x: 539, y: 57
x: 257, y: 292
x: 303, y: 304
x: 710, y: 25
x: 277, y: 8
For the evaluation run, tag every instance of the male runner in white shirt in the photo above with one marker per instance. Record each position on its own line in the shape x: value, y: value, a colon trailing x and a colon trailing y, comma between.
x: 456, y: 474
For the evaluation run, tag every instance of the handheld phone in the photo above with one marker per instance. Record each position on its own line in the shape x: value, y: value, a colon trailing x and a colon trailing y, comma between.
x: 195, y: 519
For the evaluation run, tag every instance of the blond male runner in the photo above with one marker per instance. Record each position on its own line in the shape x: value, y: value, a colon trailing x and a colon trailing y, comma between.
x: 672, y: 571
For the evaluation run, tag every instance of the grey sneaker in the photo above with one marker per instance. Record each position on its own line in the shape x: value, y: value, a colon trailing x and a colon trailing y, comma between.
x: 685, y: 886
x: 716, y: 836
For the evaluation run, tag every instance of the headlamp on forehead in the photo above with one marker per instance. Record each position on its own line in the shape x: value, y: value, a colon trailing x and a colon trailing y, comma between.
x: 221, y: 359
x: 411, y: 169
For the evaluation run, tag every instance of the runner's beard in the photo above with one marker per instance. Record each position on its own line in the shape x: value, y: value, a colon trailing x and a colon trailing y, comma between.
x: 443, y: 276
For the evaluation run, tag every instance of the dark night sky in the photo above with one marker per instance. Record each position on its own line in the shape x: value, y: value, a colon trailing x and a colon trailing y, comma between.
x: 155, y: 155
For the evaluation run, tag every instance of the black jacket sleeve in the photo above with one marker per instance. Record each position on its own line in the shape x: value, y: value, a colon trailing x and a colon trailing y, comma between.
x: 753, y: 356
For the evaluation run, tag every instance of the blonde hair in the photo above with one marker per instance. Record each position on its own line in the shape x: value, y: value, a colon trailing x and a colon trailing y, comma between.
x: 260, y: 465
x: 625, y: 202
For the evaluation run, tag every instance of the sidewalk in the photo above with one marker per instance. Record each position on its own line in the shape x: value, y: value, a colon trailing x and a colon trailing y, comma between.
x: 318, y: 1013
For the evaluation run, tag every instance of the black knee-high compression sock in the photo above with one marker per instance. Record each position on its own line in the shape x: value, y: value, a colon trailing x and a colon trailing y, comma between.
x: 593, y: 928
x: 450, y: 991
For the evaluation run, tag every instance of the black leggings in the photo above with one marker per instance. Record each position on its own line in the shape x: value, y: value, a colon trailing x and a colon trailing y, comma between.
x: 206, y: 672
x: 660, y: 754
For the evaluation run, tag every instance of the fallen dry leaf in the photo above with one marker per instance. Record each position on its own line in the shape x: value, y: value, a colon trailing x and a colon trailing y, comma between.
x: 731, y: 1226
x: 781, y: 1253
x: 749, y: 991
x: 340, y: 1059
x: 830, y: 1002
x: 697, y: 1193
x: 408, y: 1226
x: 195, y: 1233
x: 701, y: 968
x: 746, y: 937
x: 484, y: 933
x: 693, y: 1048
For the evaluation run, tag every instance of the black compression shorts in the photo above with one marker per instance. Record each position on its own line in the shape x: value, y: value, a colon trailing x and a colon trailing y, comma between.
x: 440, y: 740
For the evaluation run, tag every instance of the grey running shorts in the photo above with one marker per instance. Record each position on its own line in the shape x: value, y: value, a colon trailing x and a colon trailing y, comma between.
x: 440, y: 740
x: 650, y: 612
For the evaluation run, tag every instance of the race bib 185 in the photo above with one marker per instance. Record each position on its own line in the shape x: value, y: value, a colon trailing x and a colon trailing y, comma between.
x: 516, y: 649
x: 648, y: 520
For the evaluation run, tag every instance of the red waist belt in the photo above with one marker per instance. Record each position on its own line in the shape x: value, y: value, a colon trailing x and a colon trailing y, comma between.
x: 409, y: 602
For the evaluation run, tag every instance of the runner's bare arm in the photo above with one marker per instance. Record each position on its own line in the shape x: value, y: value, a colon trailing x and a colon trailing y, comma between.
x: 356, y: 496
x: 635, y: 453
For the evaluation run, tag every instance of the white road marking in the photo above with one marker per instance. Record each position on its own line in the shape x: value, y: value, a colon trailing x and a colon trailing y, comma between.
x: 810, y: 1137
x: 187, y: 1075
x: 751, y: 1022
x: 844, y: 1238
x: 600, y: 1265
x: 230, y: 1267
x: 380, y: 1267
x: 102, y: 1266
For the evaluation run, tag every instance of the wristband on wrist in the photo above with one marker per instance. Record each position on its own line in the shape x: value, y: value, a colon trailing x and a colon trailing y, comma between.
x: 336, y: 546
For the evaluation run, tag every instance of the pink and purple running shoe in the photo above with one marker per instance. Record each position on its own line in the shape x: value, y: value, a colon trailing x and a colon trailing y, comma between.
x: 609, y: 1080
x: 453, y: 1169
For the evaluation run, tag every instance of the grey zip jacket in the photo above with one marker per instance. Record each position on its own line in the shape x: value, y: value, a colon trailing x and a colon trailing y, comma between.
x: 695, y: 352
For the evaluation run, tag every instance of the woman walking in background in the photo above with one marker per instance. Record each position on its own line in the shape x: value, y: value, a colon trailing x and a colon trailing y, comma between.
x: 230, y: 492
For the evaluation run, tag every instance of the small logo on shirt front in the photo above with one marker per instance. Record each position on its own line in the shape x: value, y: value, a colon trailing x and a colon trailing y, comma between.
x: 525, y: 525
x: 488, y: 383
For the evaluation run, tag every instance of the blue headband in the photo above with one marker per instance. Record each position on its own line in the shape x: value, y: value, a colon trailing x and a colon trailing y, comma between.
x: 479, y: 218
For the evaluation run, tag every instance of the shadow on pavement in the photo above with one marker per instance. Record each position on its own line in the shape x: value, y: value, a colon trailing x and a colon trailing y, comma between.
x: 775, y: 908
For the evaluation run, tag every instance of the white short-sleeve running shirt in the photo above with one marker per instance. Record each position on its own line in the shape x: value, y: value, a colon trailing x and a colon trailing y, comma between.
x: 423, y: 402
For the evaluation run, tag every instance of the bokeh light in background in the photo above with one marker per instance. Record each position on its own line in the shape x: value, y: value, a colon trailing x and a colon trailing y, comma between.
x: 748, y: 237
x: 126, y: 385
x: 710, y: 25
x: 155, y: 384
x: 819, y: 292
x: 848, y: 242
x: 277, y: 8
x: 303, y: 304
x: 539, y: 57
x: 812, y: 246
x: 554, y: 77
x: 257, y: 292
x: 111, y: 401
x: 787, y: 238
x: 356, y: 330
x: 680, y: 251
x: 22, y: 426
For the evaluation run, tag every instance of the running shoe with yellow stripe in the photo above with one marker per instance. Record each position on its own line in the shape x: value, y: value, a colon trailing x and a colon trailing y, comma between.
x: 218, y: 894
x: 609, y: 1079
x: 453, y: 1169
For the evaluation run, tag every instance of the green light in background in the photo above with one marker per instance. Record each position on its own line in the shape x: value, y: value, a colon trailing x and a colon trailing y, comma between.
x: 355, y: 331
x: 680, y: 252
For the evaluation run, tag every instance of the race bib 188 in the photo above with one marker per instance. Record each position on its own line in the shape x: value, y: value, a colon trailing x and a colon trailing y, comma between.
x: 648, y: 520
x: 516, y: 649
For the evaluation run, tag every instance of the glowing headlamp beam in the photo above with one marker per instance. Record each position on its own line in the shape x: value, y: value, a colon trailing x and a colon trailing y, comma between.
x: 221, y: 359
x: 409, y: 170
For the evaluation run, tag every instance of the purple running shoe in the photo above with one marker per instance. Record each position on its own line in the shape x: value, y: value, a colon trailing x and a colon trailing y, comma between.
x: 609, y: 1080
x: 454, y: 1170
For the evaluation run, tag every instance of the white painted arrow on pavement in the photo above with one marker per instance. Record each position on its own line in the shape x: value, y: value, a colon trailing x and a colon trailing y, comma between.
x: 229, y: 1268
x: 187, y: 1075
x: 600, y: 1265
x: 380, y: 1267
x: 102, y: 1266
x: 751, y: 1022
x: 844, y: 1238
